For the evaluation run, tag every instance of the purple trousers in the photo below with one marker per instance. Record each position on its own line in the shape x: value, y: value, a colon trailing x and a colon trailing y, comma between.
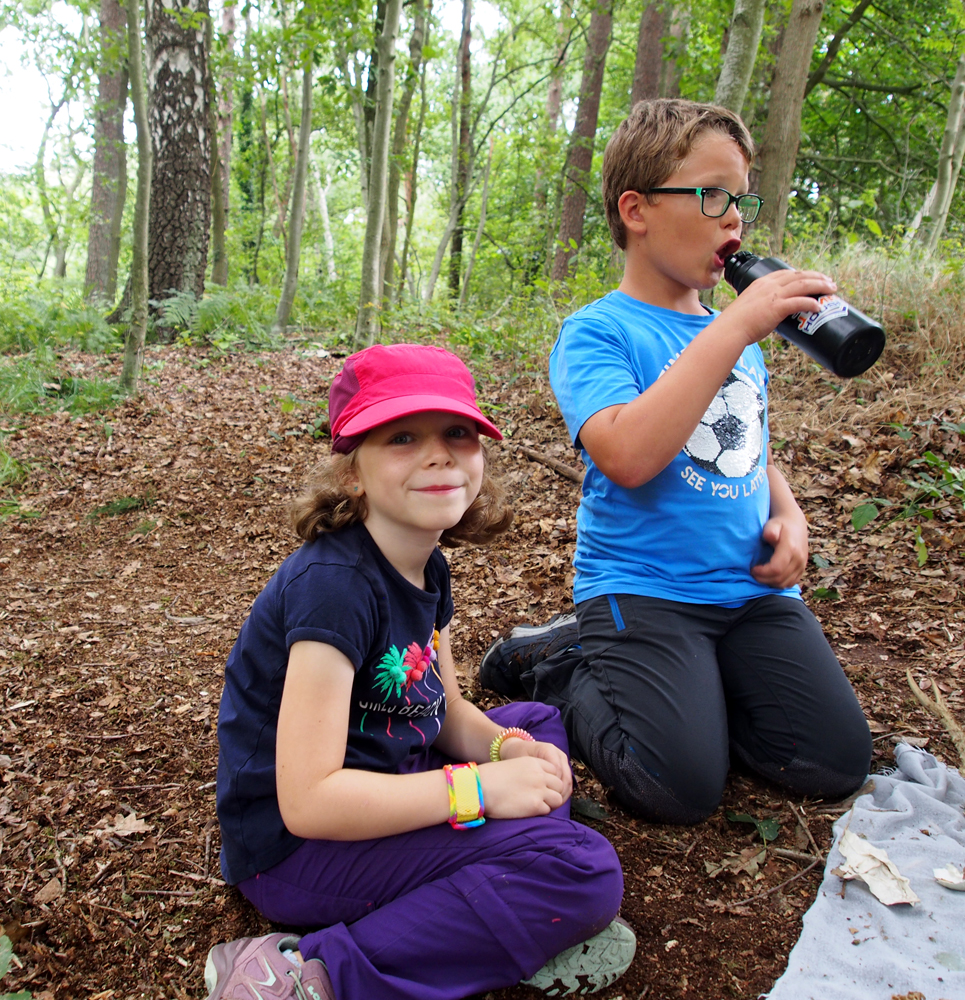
x: 442, y: 914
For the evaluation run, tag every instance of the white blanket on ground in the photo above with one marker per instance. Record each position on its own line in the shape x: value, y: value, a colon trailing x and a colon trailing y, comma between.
x: 855, y: 947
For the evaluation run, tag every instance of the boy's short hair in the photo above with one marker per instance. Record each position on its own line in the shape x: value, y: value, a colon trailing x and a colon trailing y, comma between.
x: 650, y: 144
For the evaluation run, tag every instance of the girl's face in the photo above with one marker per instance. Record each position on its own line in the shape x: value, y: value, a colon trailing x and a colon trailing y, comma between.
x: 420, y: 472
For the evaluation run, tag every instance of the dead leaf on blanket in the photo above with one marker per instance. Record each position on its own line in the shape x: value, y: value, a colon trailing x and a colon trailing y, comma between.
x: 872, y: 866
x: 950, y: 877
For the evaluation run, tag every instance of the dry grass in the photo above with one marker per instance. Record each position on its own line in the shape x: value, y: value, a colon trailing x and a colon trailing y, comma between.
x: 920, y: 301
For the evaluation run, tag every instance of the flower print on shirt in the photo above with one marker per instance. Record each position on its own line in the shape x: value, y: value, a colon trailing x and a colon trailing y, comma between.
x: 398, y: 669
x: 404, y: 671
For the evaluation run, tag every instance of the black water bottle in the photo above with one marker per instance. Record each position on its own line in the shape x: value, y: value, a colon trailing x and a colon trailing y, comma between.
x: 837, y: 336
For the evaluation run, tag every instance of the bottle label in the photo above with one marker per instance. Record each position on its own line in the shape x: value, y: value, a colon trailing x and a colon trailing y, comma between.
x: 829, y: 307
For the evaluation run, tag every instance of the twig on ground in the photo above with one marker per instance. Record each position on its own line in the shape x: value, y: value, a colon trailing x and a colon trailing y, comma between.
x: 552, y: 463
x: 161, y: 892
x: 804, y: 826
x: 784, y: 852
x: 776, y: 888
x: 938, y: 708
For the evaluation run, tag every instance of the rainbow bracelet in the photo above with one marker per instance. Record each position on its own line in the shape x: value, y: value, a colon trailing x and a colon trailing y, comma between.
x: 496, y: 745
x: 466, y: 805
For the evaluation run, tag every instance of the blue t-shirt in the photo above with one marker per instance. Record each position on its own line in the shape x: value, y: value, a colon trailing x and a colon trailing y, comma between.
x: 692, y: 532
x: 342, y: 591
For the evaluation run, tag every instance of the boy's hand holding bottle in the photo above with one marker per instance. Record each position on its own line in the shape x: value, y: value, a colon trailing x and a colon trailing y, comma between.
x: 769, y: 300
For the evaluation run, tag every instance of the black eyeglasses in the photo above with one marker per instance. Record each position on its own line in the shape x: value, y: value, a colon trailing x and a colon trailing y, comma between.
x: 715, y: 201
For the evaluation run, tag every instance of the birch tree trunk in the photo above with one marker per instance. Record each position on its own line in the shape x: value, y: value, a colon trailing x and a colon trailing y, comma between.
x: 412, y: 186
x: 321, y: 196
x: 580, y: 156
x: 744, y: 37
x: 226, y: 103
x: 109, y: 186
x: 400, y: 133
x: 646, y: 70
x: 949, y: 164
x: 370, y: 296
x: 134, y: 342
x: 293, y: 247
x: 782, y: 131
x: 181, y: 141
x: 484, y: 202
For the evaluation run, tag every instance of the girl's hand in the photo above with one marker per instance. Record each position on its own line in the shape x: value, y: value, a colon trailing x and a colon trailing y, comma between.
x: 521, y: 787
x: 555, y: 757
x: 773, y: 297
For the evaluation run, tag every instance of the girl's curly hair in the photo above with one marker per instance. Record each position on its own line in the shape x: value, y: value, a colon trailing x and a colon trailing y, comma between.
x: 328, y: 504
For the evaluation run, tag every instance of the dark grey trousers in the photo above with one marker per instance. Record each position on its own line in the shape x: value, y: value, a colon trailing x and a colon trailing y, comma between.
x: 660, y: 693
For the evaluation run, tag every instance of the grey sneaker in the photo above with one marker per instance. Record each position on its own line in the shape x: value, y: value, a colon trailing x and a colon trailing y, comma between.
x: 590, y: 966
x: 521, y: 649
x: 256, y: 969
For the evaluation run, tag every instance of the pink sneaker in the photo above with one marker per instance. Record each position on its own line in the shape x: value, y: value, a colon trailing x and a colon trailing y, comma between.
x: 256, y: 969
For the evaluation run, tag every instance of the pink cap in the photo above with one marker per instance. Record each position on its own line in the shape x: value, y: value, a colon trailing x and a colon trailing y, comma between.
x: 388, y: 381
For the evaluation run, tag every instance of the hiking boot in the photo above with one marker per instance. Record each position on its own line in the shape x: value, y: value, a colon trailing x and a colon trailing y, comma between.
x: 590, y: 966
x: 521, y: 649
x: 256, y: 969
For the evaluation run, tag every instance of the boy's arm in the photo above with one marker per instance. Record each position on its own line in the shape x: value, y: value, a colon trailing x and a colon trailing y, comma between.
x: 786, y: 530
x: 630, y: 443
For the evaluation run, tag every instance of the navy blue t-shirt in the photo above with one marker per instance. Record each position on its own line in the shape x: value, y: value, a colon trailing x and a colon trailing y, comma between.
x: 342, y: 591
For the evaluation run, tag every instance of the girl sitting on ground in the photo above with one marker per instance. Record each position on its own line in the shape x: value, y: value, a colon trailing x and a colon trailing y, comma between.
x: 348, y: 798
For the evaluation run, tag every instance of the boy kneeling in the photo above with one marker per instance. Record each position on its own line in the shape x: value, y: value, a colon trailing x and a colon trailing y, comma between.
x: 690, y: 639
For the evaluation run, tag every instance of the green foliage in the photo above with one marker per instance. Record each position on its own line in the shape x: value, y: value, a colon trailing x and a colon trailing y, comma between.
x: 121, y: 505
x: 6, y: 956
x: 53, y: 316
x: 33, y: 383
x: 224, y: 319
x: 938, y: 485
x: 12, y: 471
x: 768, y: 829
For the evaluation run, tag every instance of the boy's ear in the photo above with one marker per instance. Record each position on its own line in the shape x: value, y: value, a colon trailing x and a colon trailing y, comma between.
x: 633, y: 206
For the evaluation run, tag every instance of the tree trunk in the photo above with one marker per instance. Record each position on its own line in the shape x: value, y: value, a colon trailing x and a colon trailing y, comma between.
x: 646, y: 70
x: 219, y: 213
x: 782, y: 131
x: 138, y: 281
x: 399, y: 136
x: 411, y: 185
x: 294, y: 246
x: 678, y: 28
x: 554, y: 104
x: 580, y: 156
x: 109, y: 185
x: 370, y: 296
x: 949, y: 164
x: 226, y: 104
x: 321, y: 195
x: 835, y: 44
x: 180, y: 219
x: 744, y: 37
x: 401, y: 130
x: 484, y: 202
x: 462, y: 103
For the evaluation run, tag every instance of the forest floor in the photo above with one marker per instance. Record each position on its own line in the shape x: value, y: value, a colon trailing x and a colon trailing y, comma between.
x: 142, y: 536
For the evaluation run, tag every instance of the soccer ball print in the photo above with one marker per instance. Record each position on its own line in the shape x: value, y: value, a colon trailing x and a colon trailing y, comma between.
x: 730, y: 436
